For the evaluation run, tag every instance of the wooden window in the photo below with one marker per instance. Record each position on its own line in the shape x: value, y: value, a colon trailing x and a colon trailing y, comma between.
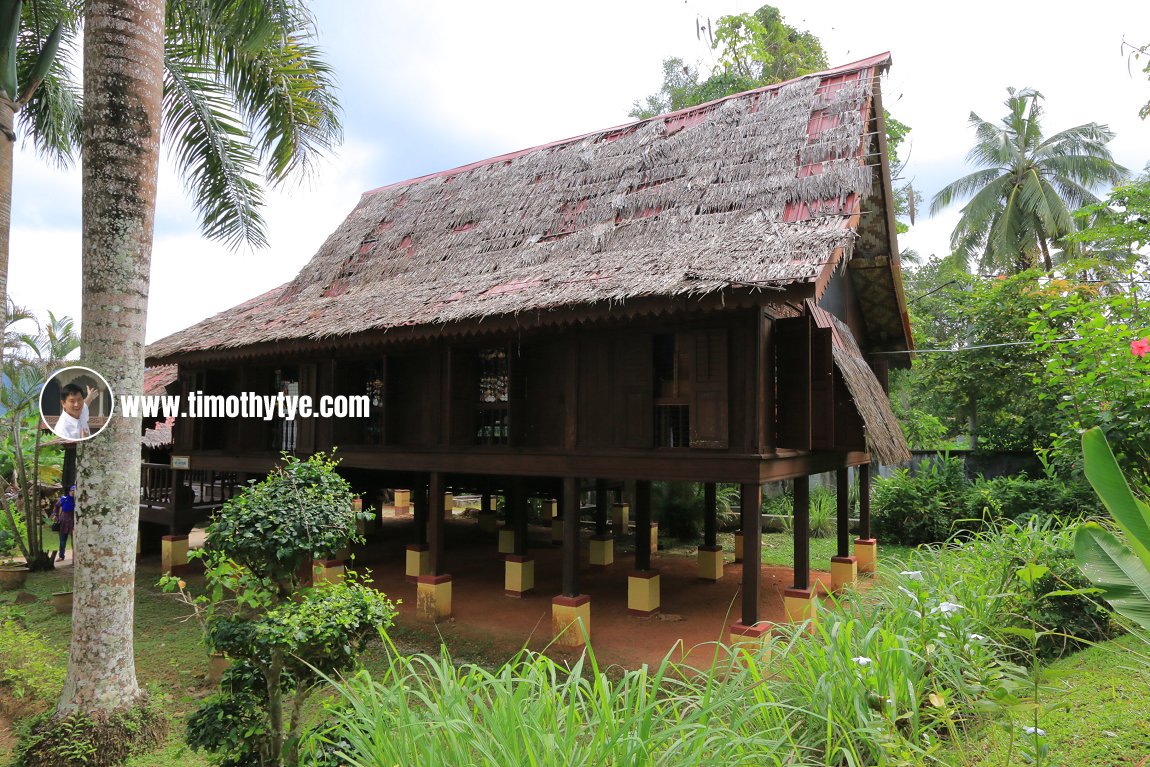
x: 492, y: 408
x: 362, y: 378
x: 672, y: 404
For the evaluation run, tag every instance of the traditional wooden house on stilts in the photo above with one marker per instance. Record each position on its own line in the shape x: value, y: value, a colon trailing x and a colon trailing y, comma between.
x: 697, y: 297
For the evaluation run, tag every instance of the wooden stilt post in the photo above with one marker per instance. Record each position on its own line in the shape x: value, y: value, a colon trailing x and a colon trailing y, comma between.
x: 752, y: 502
x: 602, y: 543
x: 866, y: 547
x: 844, y: 567
x: 570, y: 611
x: 798, y: 601
x: 433, y: 596
x: 710, y: 556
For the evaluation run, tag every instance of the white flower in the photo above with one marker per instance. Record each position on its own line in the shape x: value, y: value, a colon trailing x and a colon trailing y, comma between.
x: 977, y: 637
x: 908, y: 592
x: 946, y: 608
x: 1034, y: 731
x: 862, y: 660
x: 914, y: 575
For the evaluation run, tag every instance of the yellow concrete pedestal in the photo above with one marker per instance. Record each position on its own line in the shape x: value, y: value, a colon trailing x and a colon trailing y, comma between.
x: 654, y: 537
x: 799, y: 605
x: 402, y: 502
x: 518, y: 575
x: 571, y: 621
x: 448, y: 505
x: 751, y: 638
x: 507, y: 541
x: 325, y: 572
x: 174, y: 554
x: 550, y: 508
x: 488, y: 520
x: 602, y: 551
x: 620, y: 517
x: 418, y: 561
x: 711, y: 563
x: 844, y: 572
x: 643, y: 592
x: 433, y: 598
x: 866, y: 552
x: 357, y: 505
x: 738, y: 547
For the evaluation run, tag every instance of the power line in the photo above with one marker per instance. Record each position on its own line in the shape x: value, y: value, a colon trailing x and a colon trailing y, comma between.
x: 975, y: 348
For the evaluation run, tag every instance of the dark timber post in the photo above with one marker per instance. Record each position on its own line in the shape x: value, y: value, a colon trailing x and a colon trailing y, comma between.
x: 643, y: 524
x: 602, y: 504
x: 844, y: 567
x: 710, y: 515
x: 570, y: 511
x: 866, y: 547
x: 751, y: 499
x: 802, y: 532
x: 842, y: 521
x: 421, y: 501
x: 435, y: 509
x: 519, y: 515
x: 433, y: 590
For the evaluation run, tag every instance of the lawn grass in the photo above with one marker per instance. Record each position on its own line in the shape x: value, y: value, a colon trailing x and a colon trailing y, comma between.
x: 779, y: 550
x: 1097, y: 714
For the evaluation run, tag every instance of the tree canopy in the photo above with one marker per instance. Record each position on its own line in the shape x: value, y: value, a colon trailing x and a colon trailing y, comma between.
x: 755, y: 49
x: 1023, y: 196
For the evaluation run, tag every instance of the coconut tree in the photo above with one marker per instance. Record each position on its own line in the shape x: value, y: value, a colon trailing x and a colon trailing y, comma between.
x: 33, y: 87
x: 245, y: 91
x: 229, y: 70
x: 1023, y: 196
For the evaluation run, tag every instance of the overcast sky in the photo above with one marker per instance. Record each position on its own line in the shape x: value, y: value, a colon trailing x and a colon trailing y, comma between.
x: 431, y: 85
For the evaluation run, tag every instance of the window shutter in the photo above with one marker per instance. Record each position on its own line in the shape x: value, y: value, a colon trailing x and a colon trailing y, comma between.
x: 634, y: 407
x: 822, y: 390
x: 793, y: 377
x: 708, y: 411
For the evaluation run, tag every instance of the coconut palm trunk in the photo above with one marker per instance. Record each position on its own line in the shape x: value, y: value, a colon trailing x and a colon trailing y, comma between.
x: 7, y: 150
x: 123, y: 90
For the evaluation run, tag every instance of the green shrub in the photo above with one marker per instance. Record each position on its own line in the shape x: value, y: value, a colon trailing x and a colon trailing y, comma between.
x: 1020, y: 498
x: 280, y: 635
x: 32, y: 672
x: 913, y: 509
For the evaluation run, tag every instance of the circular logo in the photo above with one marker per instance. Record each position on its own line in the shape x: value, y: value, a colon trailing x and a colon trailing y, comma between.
x: 77, y: 403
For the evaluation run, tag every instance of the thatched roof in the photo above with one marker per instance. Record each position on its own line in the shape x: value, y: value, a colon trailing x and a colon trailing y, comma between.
x: 760, y: 190
x: 885, y: 440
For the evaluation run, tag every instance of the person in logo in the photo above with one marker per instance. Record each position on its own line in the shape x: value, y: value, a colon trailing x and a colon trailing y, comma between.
x: 73, y: 421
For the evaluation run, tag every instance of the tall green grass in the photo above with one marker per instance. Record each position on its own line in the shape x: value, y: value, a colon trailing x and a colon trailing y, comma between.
x: 886, y: 676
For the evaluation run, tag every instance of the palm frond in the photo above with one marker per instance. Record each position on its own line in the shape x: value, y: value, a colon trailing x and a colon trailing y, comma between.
x: 212, y: 151
x: 282, y: 88
x: 51, y: 118
x: 964, y: 187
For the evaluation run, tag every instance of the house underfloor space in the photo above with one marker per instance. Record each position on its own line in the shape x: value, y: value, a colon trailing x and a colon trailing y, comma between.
x: 692, y: 611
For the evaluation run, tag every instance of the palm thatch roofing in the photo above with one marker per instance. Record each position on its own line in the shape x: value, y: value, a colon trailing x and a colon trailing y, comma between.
x: 757, y: 191
x: 884, y: 437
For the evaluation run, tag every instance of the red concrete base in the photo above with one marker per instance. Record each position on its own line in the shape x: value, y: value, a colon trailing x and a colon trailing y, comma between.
x: 756, y: 635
